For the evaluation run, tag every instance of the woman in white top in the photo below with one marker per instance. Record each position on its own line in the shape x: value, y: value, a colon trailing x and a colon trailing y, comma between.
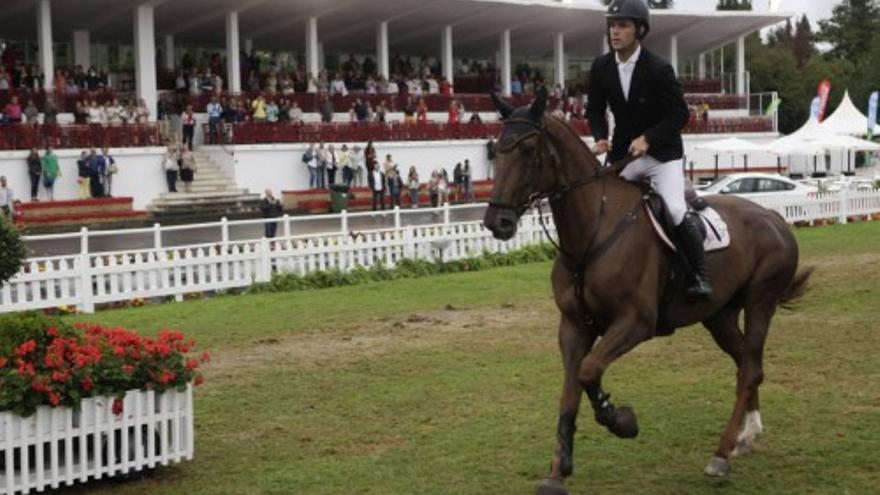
x: 96, y: 115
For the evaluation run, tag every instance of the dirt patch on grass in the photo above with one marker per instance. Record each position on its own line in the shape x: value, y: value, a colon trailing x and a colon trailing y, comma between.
x: 412, y: 331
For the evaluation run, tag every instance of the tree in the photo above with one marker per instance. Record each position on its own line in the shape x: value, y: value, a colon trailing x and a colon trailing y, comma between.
x: 802, y: 42
x: 851, y: 28
x: 734, y: 5
x: 654, y: 4
x: 11, y: 250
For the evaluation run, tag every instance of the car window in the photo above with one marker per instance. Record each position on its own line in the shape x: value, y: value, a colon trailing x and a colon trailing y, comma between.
x: 740, y: 186
x: 770, y: 185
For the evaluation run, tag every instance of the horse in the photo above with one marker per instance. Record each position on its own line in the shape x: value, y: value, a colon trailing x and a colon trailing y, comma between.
x: 611, y: 277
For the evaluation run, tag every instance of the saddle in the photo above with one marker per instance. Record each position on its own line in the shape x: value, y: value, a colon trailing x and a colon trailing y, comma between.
x: 712, y: 227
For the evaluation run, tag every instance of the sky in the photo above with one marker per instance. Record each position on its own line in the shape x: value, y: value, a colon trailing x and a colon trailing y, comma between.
x: 815, y: 9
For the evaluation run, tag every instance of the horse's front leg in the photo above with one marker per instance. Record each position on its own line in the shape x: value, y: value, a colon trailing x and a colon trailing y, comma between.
x: 574, y: 342
x: 621, y: 337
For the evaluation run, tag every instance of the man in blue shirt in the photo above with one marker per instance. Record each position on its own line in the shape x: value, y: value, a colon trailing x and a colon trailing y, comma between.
x: 215, y: 118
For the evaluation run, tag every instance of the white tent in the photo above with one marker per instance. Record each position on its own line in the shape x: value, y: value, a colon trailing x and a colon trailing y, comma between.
x: 793, y: 145
x: 734, y: 146
x: 846, y: 144
x: 847, y: 119
x: 811, y: 130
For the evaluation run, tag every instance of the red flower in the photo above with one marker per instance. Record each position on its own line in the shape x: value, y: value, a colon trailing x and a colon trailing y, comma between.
x: 128, y: 368
x: 26, y: 348
x: 192, y: 364
x: 117, y: 406
x: 54, y: 398
x: 166, y: 377
x: 199, y: 380
x: 25, y: 368
x: 3, y: 361
x: 60, y: 376
x: 86, y: 384
x: 52, y: 332
x: 119, y: 350
x: 206, y: 356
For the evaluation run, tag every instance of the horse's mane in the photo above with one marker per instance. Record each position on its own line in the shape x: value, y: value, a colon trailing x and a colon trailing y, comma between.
x: 588, y: 152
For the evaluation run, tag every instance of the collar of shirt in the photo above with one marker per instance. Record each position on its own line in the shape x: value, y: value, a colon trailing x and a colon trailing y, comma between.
x: 632, y: 58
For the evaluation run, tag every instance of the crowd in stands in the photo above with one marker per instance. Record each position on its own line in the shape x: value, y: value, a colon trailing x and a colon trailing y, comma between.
x: 329, y: 167
x: 95, y: 172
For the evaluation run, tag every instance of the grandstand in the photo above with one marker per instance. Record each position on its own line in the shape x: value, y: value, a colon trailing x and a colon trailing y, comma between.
x: 325, y: 58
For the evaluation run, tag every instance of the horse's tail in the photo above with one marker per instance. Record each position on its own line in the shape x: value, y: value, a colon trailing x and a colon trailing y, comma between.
x: 798, y: 287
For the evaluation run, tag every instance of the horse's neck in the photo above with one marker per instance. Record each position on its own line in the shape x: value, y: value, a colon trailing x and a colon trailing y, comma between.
x: 587, y: 210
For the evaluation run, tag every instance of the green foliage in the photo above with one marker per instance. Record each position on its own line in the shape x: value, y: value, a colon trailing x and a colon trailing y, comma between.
x: 405, y: 269
x: 11, y: 250
x: 734, y: 5
x: 851, y: 29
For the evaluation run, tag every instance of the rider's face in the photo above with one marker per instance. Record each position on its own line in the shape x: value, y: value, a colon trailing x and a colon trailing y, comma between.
x: 622, y: 33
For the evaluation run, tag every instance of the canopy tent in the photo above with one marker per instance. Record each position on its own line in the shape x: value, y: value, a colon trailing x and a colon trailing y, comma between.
x: 793, y: 145
x: 812, y: 129
x: 847, y: 119
x: 734, y: 146
x: 846, y: 144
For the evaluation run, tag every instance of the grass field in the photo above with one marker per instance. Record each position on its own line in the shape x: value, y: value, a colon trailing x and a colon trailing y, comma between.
x: 449, y: 385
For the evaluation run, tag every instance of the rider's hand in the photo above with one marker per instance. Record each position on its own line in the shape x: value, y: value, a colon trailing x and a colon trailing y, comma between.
x: 639, y: 146
x: 601, y: 147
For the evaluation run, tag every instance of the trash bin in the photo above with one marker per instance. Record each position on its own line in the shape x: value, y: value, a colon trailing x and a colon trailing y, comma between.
x: 338, y: 198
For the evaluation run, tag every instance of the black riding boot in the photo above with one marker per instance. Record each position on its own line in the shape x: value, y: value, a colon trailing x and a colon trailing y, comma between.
x: 691, y: 242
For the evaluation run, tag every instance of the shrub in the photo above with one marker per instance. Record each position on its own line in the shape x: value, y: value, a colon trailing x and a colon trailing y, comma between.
x: 11, y: 250
x: 44, y: 361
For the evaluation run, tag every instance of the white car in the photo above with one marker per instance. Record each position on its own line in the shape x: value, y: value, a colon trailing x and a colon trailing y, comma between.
x: 756, y: 184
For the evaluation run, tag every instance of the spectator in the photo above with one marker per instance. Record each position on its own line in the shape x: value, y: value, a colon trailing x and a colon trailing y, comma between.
x: 35, y: 169
x: 490, y: 155
x: 325, y: 108
x: 187, y: 169
x: 395, y: 185
x: 82, y: 172
x: 332, y: 163
x: 259, y: 109
x: 7, y: 199
x: 110, y: 170
x: 170, y: 165
x: 345, y: 163
x: 453, y: 112
x: 412, y: 182
x: 284, y: 111
x: 388, y: 165
x: 296, y: 113
x: 337, y: 86
x: 475, y: 118
x: 323, y: 158
x: 358, y: 163
x: 442, y: 186
x: 422, y: 112
x: 80, y: 114
x: 96, y: 115
x: 115, y: 113
x: 31, y: 113
x: 271, y: 207
x: 434, y: 188
x: 97, y: 169
x: 272, y: 112
x: 376, y: 180
x: 215, y: 119
x: 409, y: 111
x: 445, y: 87
x: 50, y: 113
x: 466, y: 181
x: 12, y: 111
x: 310, y: 158
x: 189, y: 126
x: 381, y: 110
x: 370, y: 157
x: 516, y: 87
x: 50, y: 172
x: 457, y: 182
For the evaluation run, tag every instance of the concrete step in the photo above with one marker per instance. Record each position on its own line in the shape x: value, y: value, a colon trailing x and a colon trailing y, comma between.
x: 182, y: 197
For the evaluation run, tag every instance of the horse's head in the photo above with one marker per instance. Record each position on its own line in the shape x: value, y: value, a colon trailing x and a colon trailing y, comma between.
x: 520, y: 174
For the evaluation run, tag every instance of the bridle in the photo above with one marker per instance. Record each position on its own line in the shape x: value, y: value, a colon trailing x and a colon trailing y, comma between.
x: 558, y: 192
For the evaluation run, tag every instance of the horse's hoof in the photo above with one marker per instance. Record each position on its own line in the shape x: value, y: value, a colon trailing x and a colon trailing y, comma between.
x: 718, y: 467
x: 551, y: 486
x: 743, y: 447
x: 625, y: 424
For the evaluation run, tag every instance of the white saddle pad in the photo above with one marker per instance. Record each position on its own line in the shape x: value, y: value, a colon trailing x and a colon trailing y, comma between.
x: 717, y: 235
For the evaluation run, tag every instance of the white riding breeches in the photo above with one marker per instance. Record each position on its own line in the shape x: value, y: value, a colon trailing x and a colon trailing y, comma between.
x: 667, y: 180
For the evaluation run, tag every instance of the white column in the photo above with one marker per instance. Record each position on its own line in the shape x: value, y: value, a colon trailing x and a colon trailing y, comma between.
x: 233, y: 64
x: 169, y: 52
x: 44, y: 42
x: 603, y: 44
x: 701, y: 68
x: 312, y: 46
x: 446, y: 63
x: 673, y: 53
x: 82, y: 49
x: 559, y: 59
x: 321, y: 59
x: 741, y: 65
x: 382, y: 49
x: 721, y: 67
x: 145, y: 56
x: 505, y: 63
x: 249, y: 46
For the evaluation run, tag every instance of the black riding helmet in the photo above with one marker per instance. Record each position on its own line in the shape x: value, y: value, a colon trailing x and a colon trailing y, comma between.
x: 635, y: 10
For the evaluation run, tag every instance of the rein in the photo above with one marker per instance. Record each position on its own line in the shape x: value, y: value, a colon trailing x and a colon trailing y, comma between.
x: 559, y: 192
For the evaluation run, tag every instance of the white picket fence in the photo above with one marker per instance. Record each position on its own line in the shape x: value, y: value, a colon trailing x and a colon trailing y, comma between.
x: 87, y: 279
x: 59, y: 446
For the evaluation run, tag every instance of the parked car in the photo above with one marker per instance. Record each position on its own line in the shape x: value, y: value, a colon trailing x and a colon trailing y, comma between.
x: 757, y: 184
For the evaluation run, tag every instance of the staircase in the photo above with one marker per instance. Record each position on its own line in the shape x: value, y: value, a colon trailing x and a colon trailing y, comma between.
x: 214, y: 195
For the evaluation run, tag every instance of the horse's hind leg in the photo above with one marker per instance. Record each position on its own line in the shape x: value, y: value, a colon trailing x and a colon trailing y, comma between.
x: 574, y: 343
x: 724, y: 327
x: 759, y: 310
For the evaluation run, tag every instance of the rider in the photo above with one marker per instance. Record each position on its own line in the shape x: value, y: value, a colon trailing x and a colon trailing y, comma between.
x: 649, y: 114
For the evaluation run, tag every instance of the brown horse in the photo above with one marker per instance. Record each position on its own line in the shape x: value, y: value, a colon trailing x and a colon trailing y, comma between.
x: 611, y: 278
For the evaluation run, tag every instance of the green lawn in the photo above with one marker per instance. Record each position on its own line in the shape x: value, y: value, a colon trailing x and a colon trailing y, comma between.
x: 449, y: 385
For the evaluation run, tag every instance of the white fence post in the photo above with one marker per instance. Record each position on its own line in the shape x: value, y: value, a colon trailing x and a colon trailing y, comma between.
x: 157, y: 236
x: 446, y: 213
x: 85, y: 274
x: 396, y: 217
x: 343, y: 222
x: 843, y: 197
x: 286, y: 225
x: 409, y: 242
x: 224, y: 233
x: 265, y: 273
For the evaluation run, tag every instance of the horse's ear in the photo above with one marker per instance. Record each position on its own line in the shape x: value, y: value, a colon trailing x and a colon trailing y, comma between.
x: 504, y: 108
x: 539, y: 106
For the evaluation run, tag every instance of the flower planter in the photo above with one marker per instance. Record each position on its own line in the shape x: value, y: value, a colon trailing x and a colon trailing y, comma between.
x: 59, y: 446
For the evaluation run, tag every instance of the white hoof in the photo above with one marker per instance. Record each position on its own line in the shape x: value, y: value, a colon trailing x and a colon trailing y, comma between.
x: 718, y: 467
